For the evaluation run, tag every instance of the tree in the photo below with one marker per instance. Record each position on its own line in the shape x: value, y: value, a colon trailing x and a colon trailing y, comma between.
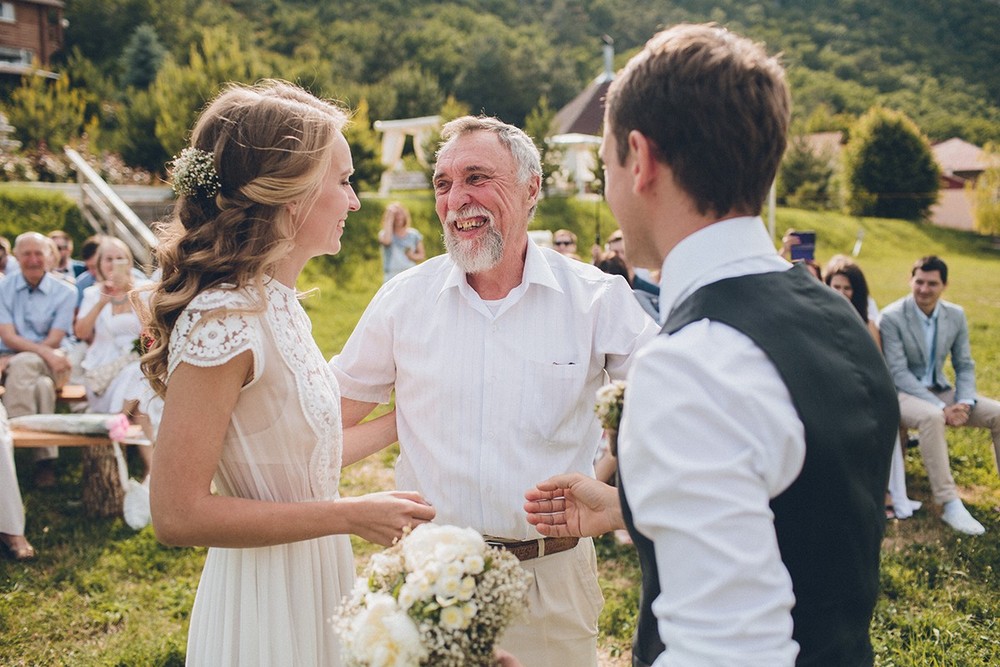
x: 365, y: 149
x: 538, y: 126
x: 45, y: 112
x: 804, y: 177
x: 181, y: 91
x: 450, y: 110
x: 142, y: 57
x: 889, y: 169
x: 986, y: 194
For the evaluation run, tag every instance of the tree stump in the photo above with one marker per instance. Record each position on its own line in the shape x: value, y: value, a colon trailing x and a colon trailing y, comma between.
x: 102, y: 488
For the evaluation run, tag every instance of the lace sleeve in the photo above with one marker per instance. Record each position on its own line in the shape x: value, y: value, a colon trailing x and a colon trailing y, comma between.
x: 215, y: 327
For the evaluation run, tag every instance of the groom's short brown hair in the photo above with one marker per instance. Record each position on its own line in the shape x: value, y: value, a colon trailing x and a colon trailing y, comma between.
x: 715, y: 106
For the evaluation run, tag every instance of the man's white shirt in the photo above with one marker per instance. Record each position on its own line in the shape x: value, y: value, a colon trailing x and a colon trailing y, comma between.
x: 491, y: 401
x: 708, y: 437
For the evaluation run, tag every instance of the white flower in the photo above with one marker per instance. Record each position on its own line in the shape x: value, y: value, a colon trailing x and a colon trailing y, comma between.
x: 432, y: 544
x: 474, y: 564
x: 439, y: 597
x: 448, y: 586
x: 385, y: 563
x: 467, y: 589
x: 452, y: 618
x: 385, y: 634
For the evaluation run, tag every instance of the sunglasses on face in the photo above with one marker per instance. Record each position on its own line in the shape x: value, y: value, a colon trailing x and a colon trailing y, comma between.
x: 564, y: 243
x: 615, y: 240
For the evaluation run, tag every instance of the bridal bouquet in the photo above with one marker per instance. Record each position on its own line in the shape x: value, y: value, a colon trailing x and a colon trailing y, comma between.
x: 440, y: 596
x: 610, y: 400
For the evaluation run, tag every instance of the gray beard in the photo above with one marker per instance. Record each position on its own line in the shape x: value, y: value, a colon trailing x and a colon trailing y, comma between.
x: 475, y: 256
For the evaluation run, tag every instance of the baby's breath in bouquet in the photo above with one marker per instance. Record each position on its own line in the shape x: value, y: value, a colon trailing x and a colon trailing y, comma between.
x: 440, y: 596
x: 610, y: 400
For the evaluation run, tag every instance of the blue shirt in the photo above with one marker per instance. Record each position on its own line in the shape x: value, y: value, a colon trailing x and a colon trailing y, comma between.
x: 34, y: 312
x: 929, y: 323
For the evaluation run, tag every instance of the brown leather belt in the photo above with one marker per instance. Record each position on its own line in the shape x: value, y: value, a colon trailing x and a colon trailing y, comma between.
x: 535, y: 548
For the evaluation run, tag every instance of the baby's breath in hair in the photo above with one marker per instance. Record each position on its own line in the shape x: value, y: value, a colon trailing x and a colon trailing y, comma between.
x: 194, y: 173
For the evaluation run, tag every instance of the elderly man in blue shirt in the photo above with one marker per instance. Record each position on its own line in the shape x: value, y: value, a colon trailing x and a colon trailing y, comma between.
x: 36, y: 312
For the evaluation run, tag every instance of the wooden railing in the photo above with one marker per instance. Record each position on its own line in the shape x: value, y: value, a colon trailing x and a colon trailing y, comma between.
x: 107, y: 214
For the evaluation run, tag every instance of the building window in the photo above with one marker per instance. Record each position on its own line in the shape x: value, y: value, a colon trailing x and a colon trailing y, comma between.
x: 7, y: 12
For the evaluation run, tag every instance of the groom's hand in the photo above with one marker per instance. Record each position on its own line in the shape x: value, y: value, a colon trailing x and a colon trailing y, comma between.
x: 573, y: 505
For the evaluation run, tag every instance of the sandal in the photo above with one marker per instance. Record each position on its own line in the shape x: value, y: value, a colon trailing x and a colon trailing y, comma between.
x: 22, y: 551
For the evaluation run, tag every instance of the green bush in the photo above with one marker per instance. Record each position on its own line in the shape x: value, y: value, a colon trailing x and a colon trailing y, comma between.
x: 24, y: 209
x: 889, y: 169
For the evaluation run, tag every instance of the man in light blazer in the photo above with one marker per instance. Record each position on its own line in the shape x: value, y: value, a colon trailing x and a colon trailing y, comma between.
x: 927, y: 401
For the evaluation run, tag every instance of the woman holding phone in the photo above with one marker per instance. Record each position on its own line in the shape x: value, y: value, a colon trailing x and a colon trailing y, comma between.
x: 108, y: 321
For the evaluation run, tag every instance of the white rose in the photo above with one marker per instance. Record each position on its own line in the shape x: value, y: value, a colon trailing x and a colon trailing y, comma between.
x: 384, y: 636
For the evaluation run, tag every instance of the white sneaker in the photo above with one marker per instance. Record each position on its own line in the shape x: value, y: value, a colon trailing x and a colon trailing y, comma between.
x: 956, y: 516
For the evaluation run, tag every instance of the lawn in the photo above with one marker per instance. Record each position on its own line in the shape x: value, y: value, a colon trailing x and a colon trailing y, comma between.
x: 101, y: 594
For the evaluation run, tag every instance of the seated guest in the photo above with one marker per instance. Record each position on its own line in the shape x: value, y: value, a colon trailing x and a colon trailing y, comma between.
x: 109, y: 322
x: 918, y: 332
x: 11, y: 507
x: 65, y: 265
x: 88, y: 253
x: 8, y: 264
x: 642, y: 279
x: 564, y: 243
x: 36, y: 312
x: 846, y: 277
x: 613, y: 263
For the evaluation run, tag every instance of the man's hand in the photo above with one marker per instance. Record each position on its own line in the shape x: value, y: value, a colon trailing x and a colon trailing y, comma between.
x: 957, y: 414
x: 573, y: 505
x: 56, y: 360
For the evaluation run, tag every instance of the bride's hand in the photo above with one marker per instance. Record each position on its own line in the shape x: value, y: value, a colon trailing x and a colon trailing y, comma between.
x: 383, y: 516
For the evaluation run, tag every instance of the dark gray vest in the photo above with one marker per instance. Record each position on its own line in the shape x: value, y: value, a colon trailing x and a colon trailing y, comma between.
x: 830, y: 521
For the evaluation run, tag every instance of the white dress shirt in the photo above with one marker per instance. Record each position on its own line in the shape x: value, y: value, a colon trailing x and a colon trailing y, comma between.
x: 489, y: 403
x: 708, y: 437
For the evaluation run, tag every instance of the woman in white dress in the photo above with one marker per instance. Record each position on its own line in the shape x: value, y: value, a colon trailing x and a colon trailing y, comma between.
x: 108, y: 321
x: 250, y: 403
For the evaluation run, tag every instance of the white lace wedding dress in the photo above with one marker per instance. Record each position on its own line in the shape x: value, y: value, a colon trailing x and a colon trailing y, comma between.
x: 270, y: 605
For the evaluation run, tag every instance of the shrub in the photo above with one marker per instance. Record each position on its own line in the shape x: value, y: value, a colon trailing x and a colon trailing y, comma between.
x: 889, y: 169
x: 23, y: 209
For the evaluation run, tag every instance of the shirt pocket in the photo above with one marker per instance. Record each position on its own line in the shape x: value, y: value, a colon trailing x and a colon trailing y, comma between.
x: 551, y: 399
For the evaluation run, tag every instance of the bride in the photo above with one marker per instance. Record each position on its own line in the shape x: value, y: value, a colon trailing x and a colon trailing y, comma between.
x: 250, y: 405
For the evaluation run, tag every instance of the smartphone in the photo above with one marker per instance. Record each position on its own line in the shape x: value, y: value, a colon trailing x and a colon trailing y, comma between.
x: 805, y: 248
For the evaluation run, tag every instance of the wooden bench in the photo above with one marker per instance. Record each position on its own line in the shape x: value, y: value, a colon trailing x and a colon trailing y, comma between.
x: 102, y: 488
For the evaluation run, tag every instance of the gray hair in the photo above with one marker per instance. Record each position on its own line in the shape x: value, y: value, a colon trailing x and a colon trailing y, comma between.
x: 520, y: 145
x: 37, y: 237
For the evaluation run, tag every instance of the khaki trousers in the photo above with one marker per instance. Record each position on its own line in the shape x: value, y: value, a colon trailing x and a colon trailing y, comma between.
x: 31, y: 390
x: 564, y: 600
x: 929, y: 420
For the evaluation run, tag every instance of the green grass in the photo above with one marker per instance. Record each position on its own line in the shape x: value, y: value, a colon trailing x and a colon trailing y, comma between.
x: 101, y: 594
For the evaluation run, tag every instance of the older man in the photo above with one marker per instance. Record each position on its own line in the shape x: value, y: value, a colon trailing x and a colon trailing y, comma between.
x: 755, y: 440
x: 495, y: 352
x: 36, y: 312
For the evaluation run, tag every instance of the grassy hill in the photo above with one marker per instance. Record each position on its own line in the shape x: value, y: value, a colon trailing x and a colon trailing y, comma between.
x: 100, y: 594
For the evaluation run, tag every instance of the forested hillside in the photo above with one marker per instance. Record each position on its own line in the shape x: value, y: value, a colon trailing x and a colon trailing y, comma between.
x: 934, y: 60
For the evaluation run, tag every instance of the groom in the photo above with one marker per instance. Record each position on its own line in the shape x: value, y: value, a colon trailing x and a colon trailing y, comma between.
x: 755, y: 441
